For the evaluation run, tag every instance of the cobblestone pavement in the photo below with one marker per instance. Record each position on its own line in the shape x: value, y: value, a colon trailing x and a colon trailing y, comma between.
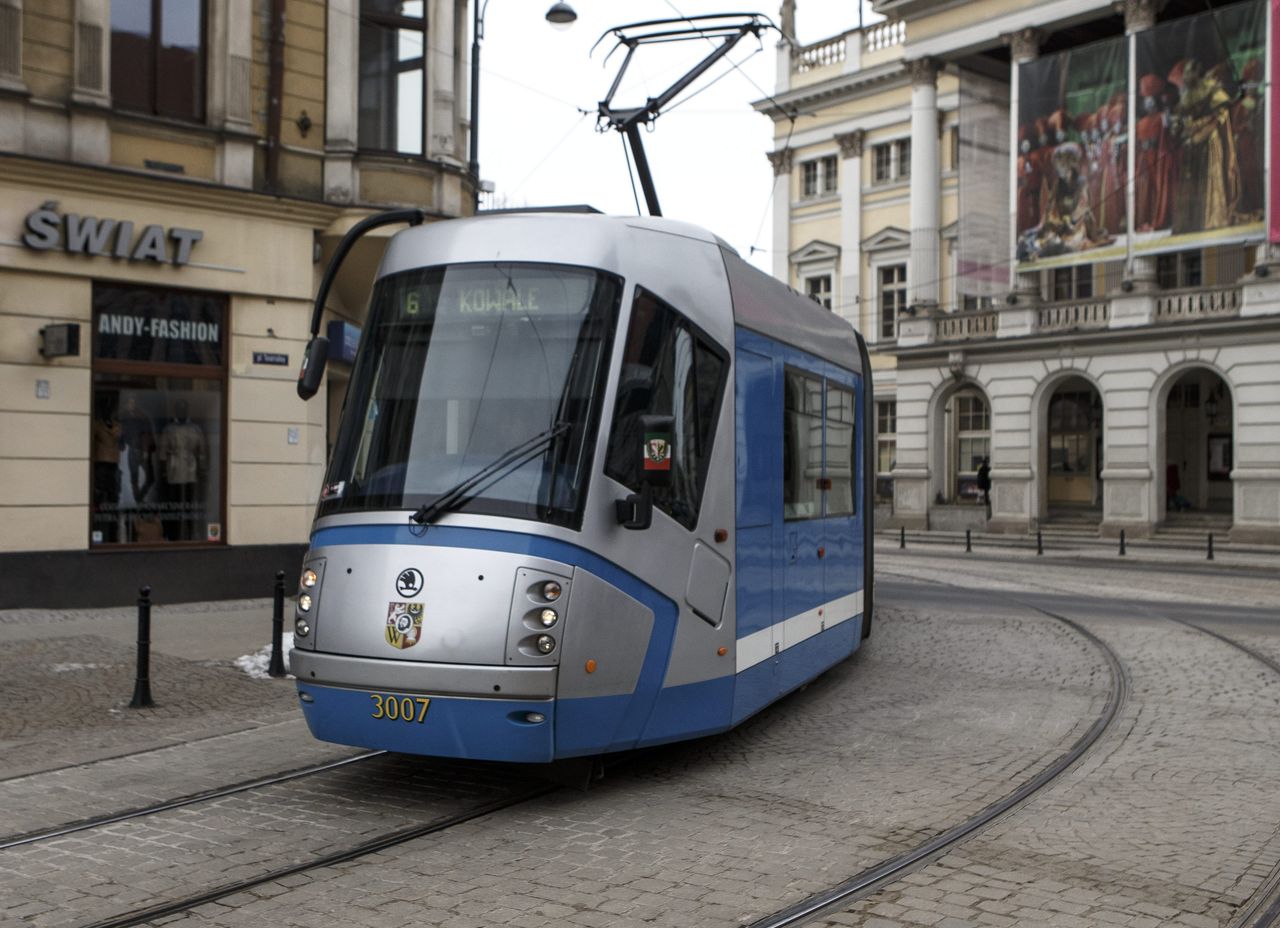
x: 953, y: 702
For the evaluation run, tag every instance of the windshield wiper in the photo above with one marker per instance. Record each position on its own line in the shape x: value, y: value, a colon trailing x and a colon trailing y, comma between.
x: 458, y: 494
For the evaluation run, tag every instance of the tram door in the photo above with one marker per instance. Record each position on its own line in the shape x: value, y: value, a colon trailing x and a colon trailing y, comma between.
x: 803, y: 491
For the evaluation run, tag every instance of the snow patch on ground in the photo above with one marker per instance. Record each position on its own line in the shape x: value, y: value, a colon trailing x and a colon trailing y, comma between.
x: 257, y: 664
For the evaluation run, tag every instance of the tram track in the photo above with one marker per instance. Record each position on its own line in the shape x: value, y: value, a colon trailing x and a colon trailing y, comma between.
x: 873, y: 878
x: 1261, y: 910
x: 111, y: 818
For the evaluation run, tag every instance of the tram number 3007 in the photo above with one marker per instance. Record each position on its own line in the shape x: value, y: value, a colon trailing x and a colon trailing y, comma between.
x: 399, y: 708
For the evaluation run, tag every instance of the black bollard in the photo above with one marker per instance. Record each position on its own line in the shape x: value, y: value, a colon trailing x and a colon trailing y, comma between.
x: 902, y: 536
x: 968, y: 542
x: 1039, y: 542
x: 277, y: 628
x: 1122, y: 542
x: 142, y: 684
x: 1209, y: 557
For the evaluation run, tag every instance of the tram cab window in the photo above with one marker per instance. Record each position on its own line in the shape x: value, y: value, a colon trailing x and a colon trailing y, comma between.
x: 669, y: 368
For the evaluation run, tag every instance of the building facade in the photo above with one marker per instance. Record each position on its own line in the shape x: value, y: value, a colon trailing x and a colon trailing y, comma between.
x: 1054, y: 223
x: 173, y: 178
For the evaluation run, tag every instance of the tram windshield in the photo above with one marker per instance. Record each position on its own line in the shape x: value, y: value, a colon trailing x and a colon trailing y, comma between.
x: 459, y: 367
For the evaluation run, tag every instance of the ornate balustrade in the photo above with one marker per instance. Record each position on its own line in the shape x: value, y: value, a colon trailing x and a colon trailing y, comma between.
x: 883, y: 35
x: 820, y: 54
x: 963, y: 326
x: 1177, y: 305
x: 1069, y: 315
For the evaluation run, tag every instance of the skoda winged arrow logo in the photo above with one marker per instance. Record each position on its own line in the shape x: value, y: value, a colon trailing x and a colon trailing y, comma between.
x: 410, y: 582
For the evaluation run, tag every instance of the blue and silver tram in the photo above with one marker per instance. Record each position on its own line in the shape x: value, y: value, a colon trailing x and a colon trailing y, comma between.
x: 598, y: 484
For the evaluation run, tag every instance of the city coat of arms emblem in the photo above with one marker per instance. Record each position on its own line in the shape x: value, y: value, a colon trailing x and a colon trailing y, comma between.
x: 404, y: 624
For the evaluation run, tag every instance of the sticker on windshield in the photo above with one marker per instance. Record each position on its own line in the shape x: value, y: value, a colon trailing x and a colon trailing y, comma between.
x: 333, y: 490
x: 657, y: 452
x: 404, y: 624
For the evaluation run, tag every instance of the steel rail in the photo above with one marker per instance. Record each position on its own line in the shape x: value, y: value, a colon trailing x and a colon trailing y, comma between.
x: 217, y: 792
x: 873, y: 878
x: 380, y: 843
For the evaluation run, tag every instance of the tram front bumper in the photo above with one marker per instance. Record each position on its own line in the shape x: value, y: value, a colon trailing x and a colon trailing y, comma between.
x: 477, y: 712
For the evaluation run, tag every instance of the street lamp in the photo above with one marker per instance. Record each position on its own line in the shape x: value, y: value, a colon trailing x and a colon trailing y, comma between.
x: 561, y: 15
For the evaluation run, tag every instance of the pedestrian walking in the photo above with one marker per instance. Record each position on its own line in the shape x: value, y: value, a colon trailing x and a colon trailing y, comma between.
x: 984, y: 484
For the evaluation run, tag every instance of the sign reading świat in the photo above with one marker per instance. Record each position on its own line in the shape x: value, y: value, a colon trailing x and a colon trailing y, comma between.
x: 89, y: 235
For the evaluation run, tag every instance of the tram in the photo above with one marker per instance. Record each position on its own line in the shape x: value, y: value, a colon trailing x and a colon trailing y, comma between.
x: 598, y: 484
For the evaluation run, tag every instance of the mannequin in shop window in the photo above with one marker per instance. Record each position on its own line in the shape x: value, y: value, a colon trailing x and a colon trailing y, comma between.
x: 181, y: 455
x: 137, y: 471
x: 106, y: 467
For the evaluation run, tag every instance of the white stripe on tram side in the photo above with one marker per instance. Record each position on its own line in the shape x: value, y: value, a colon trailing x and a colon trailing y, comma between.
x: 758, y: 646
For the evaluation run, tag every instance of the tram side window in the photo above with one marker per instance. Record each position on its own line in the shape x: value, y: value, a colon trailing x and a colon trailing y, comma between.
x: 669, y: 368
x: 810, y: 467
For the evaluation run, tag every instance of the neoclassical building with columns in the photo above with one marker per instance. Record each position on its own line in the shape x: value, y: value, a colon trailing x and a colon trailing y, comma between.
x: 1011, y: 201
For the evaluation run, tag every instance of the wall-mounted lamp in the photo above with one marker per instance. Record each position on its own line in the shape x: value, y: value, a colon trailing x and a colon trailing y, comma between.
x: 1211, y: 403
x: 303, y: 122
x: 60, y: 341
x: 1126, y: 286
x: 1012, y: 299
x: 1261, y: 270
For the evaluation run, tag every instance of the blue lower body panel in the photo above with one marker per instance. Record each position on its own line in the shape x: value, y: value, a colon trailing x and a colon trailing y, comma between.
x: 772, y: 679
x: 474, y: 729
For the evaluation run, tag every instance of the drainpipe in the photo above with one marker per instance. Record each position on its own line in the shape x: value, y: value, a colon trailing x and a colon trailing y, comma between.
x: 275, y: 90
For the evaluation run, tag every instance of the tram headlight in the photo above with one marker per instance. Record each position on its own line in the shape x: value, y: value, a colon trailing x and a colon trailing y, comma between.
x: 551, y: 592
x: 546, y: 644
x: 304, y: 602
x: 309, y: 578
x: 548, y: 618
x: 301, y: 628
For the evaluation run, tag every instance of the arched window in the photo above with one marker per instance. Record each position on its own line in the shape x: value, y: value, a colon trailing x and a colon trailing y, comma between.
x: 970, y: 417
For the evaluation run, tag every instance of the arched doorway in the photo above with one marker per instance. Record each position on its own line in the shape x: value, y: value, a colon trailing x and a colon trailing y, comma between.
x: 1198, y: 442
x: 1074, y: 448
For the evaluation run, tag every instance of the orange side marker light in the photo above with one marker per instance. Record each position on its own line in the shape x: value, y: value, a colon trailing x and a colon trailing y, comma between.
x: 723, y: 651
x: 591, y: 666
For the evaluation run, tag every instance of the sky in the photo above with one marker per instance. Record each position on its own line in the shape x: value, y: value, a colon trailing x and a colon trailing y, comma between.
x: 707, y: 154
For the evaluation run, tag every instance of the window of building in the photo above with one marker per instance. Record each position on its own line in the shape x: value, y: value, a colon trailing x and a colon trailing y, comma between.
x: 820, y: 177
x: 1179, y: 269
x: 892, y: 296
x: 159, y: 382
x: 818, y: 289
x: 886, y: 447
x: 669, y: 368
x: 971, y: 303
x: 818, y: 446
x: 158, y: 57
x: 971, y: 417
x: 891, y: 161
x: 392, y: 80
x: 953, y: 134
x: 1073, y: 283
x: 1071, y: 433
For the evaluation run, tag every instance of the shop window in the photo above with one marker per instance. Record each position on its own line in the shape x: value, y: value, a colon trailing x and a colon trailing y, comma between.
x: 669, y: 368
x: 159, y: 385
x: 158, y: 57
x: 893, y: 298
x: 392, y: 80
x: 818, y: 448
x: 886, y: 446
x: 820, y: 177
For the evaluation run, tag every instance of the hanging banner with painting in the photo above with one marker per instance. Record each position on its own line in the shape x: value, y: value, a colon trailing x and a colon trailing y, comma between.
x: 982, y: 262
x: 1201, y: 130
x: 1072, y: 156
x: 1275, y: 123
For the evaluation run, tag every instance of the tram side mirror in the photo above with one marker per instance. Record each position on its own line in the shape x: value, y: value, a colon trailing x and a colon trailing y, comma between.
x: 656, y: 452
x: 313, y: 361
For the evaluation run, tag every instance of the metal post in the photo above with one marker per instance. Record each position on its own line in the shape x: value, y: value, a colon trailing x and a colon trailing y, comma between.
x: 142, y: 683
x: 968, y: 542
x: 473, y: 166
x: 277, y: 628
x: 902, y: 536
x: 1210, y: 555
x: 1122, y: 542
x: 1039, y: 542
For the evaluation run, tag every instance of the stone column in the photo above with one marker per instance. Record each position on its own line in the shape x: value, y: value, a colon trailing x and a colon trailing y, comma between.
x: 923, y: 269
x: 91, y: 83
x: 12, y: 108
x: 341, y: 124
x: 782, y: 161
x: 439, y: 108
x: 851, y: 148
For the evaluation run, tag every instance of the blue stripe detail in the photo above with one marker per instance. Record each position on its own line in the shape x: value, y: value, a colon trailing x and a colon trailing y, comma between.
x: 762, y: 684
x: 610, y: 723
x: 476, y: 729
